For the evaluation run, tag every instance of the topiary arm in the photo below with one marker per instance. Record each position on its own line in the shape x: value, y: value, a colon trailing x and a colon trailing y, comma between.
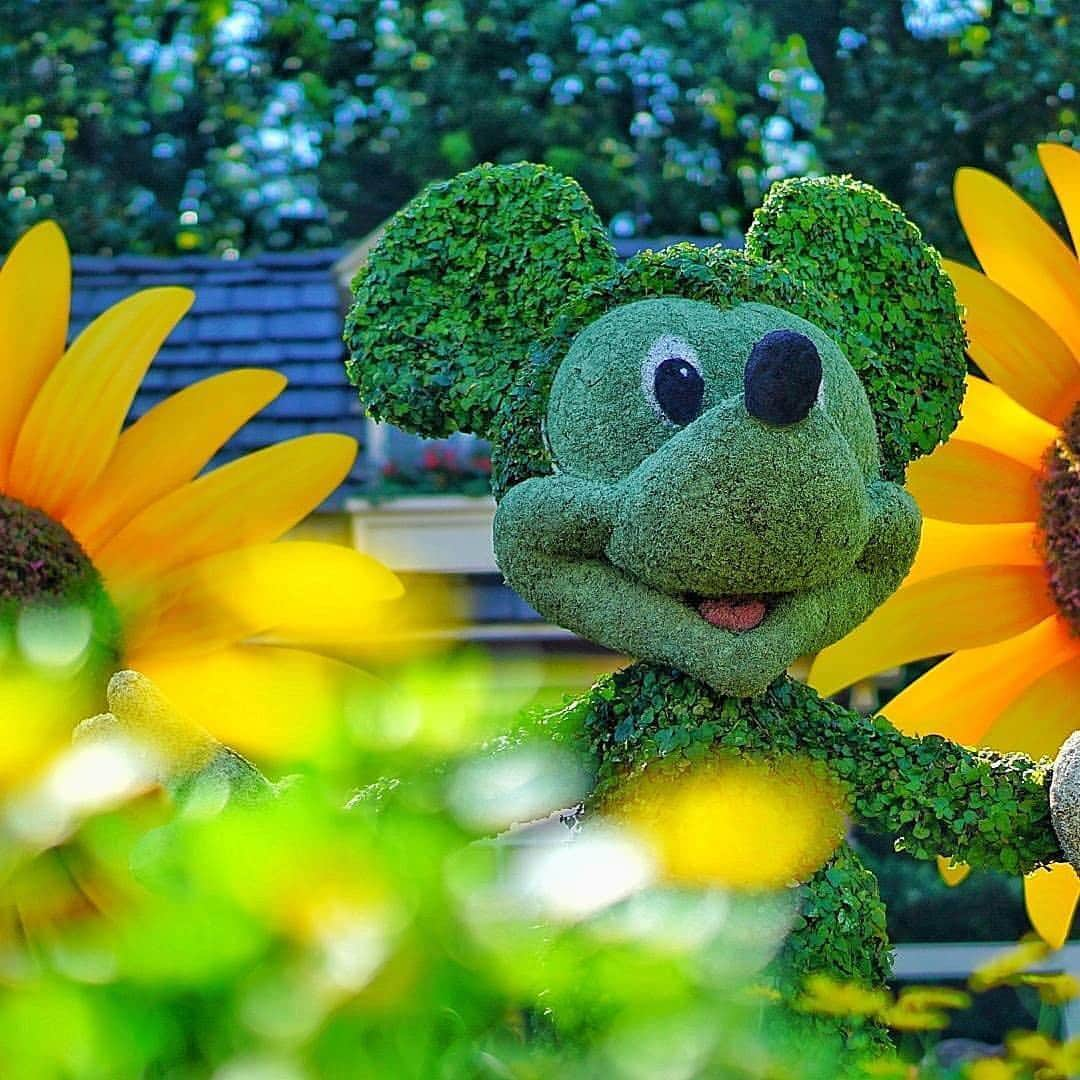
x: 988, y: 809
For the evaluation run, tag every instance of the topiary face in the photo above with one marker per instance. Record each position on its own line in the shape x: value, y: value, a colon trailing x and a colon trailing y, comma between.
x: 715, y: 498
x: 738, y: 446
x: 696, y: 453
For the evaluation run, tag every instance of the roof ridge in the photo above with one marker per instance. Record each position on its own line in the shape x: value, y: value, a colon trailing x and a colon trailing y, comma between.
x: 134, y: 263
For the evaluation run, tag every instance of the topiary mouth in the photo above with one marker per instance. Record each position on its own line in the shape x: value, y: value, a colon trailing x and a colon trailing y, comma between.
x: 737, y: 613
x: 41, y: 563
x: 1059, y: 520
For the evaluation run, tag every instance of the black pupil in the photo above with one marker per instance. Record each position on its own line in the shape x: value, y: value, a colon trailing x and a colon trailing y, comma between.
x: 679, y: 389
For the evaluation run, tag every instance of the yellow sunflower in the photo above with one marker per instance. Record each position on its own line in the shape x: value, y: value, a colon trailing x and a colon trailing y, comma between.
x: 198, y: 592
x: 997, y: 578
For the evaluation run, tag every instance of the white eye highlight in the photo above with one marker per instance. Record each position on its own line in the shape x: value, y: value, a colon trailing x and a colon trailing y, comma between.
x: 671, y: 380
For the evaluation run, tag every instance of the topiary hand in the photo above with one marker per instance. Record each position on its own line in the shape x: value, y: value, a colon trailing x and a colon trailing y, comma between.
x: 180, y: 755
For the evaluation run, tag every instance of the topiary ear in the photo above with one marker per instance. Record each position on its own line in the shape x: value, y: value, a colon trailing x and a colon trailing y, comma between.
x: 464, y: 279
x: 885, y: 293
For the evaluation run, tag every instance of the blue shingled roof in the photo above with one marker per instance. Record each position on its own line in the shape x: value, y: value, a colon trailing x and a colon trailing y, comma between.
x: 279, y: 311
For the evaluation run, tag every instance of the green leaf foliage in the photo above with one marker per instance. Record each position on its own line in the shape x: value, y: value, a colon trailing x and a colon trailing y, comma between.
x: 465, y: 278
x: 832, y: 250
x: 716, y: 276
x: 936, y: 797
x: 874, y: 277
x: 197, y: 125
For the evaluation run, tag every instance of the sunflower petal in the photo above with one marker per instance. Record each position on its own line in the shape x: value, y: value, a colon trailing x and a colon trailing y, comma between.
x: 1016, y: 349
x: 262, y: 700
x: 952, y: 873
x: 1042, y: 717
x: 167, y: 447
x: 963, y: 696
x: 961, y: 609
x: 965, y: 482
x: 72, y: 427
x: 946, y: 546
x: 1019, y: 251
x: 250, y: 501
x: 294, y: 592
x: 1050, y: 897
x: 1062, y: 167
x: 992, y: 419
x: 35, y: 294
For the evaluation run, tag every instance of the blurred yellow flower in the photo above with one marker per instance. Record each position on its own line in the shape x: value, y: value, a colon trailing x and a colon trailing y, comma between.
x: 923, y: 1008
x: 997, y: 578
x: 934, y: 997
x: 1053, y: 989
x: 1051, y: 1058
x: 182, y: 572
x: 903, y: 1018
x: 1003, y: 967
x: 992, y: 1069
x: 38, y: 706
x: 741, y: 825
x: 825, y: 996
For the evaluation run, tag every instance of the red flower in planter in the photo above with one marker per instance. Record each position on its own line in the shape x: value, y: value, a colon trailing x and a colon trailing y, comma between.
x: 432, y: 458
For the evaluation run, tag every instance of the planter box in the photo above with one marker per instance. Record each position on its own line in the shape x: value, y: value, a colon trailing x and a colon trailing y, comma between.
x: 437, y: 534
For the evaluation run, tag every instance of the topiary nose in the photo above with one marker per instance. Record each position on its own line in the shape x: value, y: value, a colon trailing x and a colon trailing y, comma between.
x: 782, y: 378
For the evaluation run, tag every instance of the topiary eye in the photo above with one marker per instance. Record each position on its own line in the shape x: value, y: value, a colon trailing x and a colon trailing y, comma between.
x: 678, y: 389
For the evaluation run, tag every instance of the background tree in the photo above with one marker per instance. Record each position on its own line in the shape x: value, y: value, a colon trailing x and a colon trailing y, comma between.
x: 917, y: 89
x: 674, y: 118
x: 154, y: 125
x: 233, y: 125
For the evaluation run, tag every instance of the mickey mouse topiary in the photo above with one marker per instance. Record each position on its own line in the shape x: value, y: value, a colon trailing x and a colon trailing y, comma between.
x: 654, y: 436
x: 698, y: 458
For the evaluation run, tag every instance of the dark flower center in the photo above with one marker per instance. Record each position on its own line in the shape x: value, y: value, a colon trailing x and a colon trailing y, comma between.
x: 41, y: 563
x: 1060, y: 519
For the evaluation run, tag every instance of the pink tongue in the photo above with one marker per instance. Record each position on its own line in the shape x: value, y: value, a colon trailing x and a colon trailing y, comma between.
x: 732, y: 612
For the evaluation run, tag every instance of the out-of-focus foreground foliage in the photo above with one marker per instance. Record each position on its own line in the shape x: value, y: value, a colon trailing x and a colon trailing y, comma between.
x: 229, y: 125
x: 299, y: 939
